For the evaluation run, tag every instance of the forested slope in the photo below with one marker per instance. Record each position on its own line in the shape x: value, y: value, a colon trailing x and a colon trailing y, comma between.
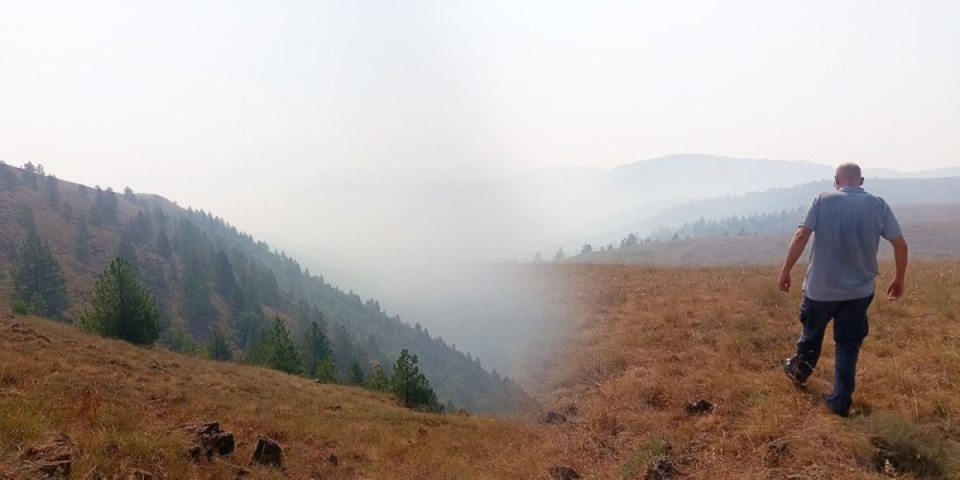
x: 210, y: 277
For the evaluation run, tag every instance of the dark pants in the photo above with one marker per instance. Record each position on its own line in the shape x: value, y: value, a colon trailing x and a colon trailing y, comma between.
x: 849, y: 329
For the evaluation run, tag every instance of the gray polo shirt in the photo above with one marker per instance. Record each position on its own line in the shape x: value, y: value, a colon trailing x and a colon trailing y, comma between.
x: 847, y: 226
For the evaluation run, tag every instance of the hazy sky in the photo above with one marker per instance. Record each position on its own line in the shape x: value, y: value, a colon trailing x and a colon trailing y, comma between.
x: 200, y: 101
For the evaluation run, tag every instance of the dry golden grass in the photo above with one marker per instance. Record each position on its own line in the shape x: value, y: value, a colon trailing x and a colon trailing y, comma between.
x: 121, y: 405
x: 639, y: 343
x: 646, y: 341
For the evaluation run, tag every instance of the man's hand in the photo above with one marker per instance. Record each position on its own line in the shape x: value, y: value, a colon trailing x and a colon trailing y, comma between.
x: 784, y: 281
x: 797, y: 244
x: 895, y: 290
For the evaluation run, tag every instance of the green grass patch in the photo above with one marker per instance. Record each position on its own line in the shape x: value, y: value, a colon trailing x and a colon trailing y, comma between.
x: 653, y: 450
x: 898, y: 446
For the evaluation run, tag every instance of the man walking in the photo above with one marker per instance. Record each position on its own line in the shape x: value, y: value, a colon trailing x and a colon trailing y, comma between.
x: 840, y: 278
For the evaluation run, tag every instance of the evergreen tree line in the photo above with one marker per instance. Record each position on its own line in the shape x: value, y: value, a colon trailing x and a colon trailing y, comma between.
x: 754, y: 224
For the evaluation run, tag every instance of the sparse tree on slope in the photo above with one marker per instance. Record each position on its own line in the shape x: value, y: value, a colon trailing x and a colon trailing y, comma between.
x: 356, y: 375
x: 29, y: 175
x: 38, y: 279
x: 379, y: 380
x: 411, y: 386
x: 217, y: 346
x: 316, y: 348
x: 122, y: 308
x: 283, y: 354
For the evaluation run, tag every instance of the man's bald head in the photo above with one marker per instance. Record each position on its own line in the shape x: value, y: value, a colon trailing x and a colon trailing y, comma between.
x: 848, y: 175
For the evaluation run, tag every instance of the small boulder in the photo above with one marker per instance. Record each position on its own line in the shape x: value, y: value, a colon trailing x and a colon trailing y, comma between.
x: 553, y: 418
x: 268, y: 452
x: 699, y: 407
x: 208, y: 440
x: 52, y: 459
x: 564, y: 472
x: 662, y: 469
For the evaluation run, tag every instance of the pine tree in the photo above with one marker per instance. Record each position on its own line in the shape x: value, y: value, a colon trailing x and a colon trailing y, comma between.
x: 357, y: 375
x: 37, y: 278
x: 284, y: 355
x: 122, y: 308
x: 379, y: 380
x: 217, y: 346
x: 178, y: 340
x: 29, y: 175
x: 327, y: 371
x: 410, y: 386
x: 248, y: 327
x: 316, y: 348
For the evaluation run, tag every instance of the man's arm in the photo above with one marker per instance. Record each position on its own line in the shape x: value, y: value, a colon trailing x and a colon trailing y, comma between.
x: 895, y: 290
x: 797, y: 244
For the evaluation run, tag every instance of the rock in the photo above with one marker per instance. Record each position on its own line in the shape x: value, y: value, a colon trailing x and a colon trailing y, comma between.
x: 54, y: 458
x: 896, y: 459
x: 699, y: 407
x: 564, y: 472
x: 54, y: 469
x: 268, y: 452
x: 663, y: 469
x: 463, y: 413
x: 208, y: 440
x: 553, y: 418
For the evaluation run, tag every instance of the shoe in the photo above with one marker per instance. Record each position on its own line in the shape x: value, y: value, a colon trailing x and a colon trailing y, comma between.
x: 790, y: 370
x: 845, y: 413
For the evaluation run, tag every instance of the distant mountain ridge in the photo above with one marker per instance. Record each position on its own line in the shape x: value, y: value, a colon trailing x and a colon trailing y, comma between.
x: 667, y: 191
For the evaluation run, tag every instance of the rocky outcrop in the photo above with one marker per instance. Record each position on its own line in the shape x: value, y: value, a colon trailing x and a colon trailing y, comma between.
x: 208, y: 440
x: 564, y: 472
x: 52, y: 460
x: 268, y: 452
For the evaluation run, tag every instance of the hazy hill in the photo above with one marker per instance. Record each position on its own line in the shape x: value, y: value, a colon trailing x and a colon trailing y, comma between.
x: 645, y: 220
x: 566, y: 207
x: 206, y: 274
x: 931, y: 231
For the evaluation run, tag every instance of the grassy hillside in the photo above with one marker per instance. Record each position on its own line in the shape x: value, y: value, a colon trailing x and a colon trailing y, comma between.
x: 646, y: 341
x: 121, y: 406
x: 639, y: 344
x: 206, y: 274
